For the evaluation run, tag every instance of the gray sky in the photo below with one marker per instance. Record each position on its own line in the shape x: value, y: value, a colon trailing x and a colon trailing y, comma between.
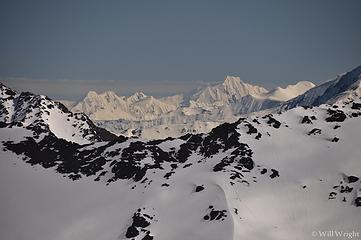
x: 76, y: 89
x: 163, y: 47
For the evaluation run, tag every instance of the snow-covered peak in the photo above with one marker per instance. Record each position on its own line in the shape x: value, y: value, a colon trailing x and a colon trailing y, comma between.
x: 106, y: 105
x: 303, y: 84
x: 231, y: 81
x: 234, y: 86
x: 289, y: 92
x: 137, y: 96
x: 92, y: 94
x: 232, y: 90
x: 109, y: 93
x: 344, y: 87
x: 109, y: 106
x: 151, y: 105
x: 111, y: 96
x: 44, y: 115
x: 6, y: 92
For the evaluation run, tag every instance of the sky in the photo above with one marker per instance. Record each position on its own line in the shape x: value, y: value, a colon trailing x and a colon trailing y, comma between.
x: 65, y: 48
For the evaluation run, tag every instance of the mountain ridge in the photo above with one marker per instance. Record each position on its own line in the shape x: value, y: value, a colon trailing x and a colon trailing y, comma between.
x: 261, y: 177
x: 343, y: 87
x: 232, y: 87
x: 41, y: 114
x: 196, y: 111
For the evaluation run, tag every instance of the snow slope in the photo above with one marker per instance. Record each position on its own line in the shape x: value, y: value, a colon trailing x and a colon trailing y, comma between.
x: 277, y: 176
x: 41, y: 114
x: 289, y: 92
x: 344, y: 87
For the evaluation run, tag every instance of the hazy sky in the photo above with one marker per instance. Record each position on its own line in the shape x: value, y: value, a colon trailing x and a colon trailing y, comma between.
x: 168, y: 46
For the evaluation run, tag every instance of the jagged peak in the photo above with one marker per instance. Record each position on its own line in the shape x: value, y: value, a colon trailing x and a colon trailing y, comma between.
x: 92, y: 94
x: 2, y: 85
x: 109, y: 94
x: 232, y: 80
x: 234, y: 85
x: 6, y: 91
x: 139, y: 95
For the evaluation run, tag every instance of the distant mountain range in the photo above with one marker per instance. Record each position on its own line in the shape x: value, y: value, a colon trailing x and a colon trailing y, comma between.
x: 197, y: 111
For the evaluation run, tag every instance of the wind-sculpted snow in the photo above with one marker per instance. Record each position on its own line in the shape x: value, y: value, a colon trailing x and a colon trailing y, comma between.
x: 263, y: 177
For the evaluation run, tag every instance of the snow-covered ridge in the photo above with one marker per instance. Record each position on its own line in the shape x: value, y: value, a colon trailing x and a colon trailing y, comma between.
x: 233, y: 88
x: 40, y: 113
x: 344, y: 87
x: 109, y: 106
x: 137, y: 107
x: 289, y: 92
x: 194, y: 112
